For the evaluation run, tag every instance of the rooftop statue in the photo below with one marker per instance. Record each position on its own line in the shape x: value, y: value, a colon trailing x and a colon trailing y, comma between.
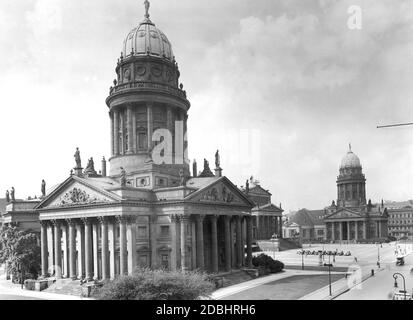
x: 43, y: 188
x: 7, y: 196
x: 90, y: 165
x: 12, y: 194
x: 217, y: 159
x: 77, y: 158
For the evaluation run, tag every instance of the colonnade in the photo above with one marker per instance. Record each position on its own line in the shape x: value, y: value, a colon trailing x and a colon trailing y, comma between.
x: 267, y: 225
x: 352, y: 230
x: 104, y: 247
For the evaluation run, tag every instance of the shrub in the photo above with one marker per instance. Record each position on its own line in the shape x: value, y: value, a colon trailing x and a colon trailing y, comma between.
x: 267, y: 262
x: 146, y: 284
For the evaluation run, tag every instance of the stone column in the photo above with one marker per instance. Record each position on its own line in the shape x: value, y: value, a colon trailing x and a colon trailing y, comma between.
x: 184, y: 254
x: 193, y: 243
x: 131, y: 244
x: 134, y: 133
x: 280, y: 226
x: 50, y: 247
x: 72, y: 249
x: 149, y: 107
x: 356, y: 230
x: 95, y: 231
x: 200, y: 242
x: 66, y: 267
x: 104, y: 247
x: 348, y: 230
x: 153, y: 238
x: 379, y: 228
x: 170, y: 127
x: 227, y: 228
x: 130, y: 129
x: 233, y: 251
x: 112, y: 249
x: 88, y: 249
x: 365, y: 229
x: 43, y: 241
x: 116, y: 134
x: 214, y: 243
x: 58, y: 249
x: 239, y: 242
x: 122, y: 245
x: 333, y: 231
x: 341, y: 230
x: 174, y: 221
x: 249, y: 242
x: 112, y: 133
x: 80, y: 251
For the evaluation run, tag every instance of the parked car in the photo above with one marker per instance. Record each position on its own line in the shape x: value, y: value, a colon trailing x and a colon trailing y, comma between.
x: 348, y: 253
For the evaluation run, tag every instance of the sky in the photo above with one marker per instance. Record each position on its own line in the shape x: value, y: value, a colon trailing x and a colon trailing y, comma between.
x: 279, y: 87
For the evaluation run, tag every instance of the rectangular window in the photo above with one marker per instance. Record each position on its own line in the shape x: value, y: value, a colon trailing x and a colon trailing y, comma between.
x: 165, y: 231
x: 143, y: 260
x: 142, y: 232
x: 142, y: 141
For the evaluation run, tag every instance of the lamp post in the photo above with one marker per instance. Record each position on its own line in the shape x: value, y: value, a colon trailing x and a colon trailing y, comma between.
x: 378, y: 254
x: 404, y: 282
x: 329, y: 265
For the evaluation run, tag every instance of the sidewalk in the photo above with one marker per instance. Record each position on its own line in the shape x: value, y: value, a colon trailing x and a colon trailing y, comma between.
x: 225, y: 292
x: 7, y: 287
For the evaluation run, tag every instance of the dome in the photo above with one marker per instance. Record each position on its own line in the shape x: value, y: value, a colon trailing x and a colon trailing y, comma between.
x: 350, y: 160
x: 146, y: 39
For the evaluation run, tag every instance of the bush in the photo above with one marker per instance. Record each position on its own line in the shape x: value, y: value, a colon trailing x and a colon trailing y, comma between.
x: 267, y: 262
x: 146, y: 284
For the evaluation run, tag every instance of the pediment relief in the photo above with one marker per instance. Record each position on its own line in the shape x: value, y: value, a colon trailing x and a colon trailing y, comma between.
x: 78, y: 194
x: 343, y: 214
x: 219, y: 194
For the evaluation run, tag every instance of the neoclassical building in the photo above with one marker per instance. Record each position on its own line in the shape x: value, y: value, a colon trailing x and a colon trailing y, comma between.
x: 147, y: 209
x: 267, y: 217
x: 352, y: 218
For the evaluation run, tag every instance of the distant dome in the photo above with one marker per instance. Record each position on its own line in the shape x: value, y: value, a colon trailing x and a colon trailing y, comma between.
x: 146, y: 39
x: 350, y: 160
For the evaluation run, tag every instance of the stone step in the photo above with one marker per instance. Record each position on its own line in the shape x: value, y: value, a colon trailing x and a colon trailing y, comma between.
x: 66, y: 286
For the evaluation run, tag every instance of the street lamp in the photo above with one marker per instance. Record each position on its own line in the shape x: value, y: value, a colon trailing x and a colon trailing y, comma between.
x: 273, y: 240
x: 378, y: 254
x: 404, y: 283
x: 329, y: 265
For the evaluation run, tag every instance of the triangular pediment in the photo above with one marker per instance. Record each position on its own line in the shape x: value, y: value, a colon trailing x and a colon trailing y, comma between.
x: 221, y: 191
x: 75, y: 192
x: 343, y: 214
x: 258, y: 190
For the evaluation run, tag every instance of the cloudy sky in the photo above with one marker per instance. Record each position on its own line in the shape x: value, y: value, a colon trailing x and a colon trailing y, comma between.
x: 280, y: 87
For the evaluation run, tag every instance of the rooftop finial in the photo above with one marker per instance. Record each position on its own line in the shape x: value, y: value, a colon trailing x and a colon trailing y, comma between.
x: 147, y: 5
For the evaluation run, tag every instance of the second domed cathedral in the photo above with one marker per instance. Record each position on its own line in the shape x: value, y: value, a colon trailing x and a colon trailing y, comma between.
x: 351, y: 217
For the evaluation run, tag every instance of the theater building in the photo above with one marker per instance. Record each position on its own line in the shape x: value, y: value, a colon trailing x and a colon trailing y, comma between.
x: 147, y: 210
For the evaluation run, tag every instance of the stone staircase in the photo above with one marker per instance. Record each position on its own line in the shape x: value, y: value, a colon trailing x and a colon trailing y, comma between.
x: 66, y: 286
x: 279, y: 245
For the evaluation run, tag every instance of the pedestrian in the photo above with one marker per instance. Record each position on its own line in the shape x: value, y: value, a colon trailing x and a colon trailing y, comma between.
x: 355, y: 259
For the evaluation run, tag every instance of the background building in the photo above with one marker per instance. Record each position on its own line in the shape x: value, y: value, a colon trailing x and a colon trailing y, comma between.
x: 306, y: 225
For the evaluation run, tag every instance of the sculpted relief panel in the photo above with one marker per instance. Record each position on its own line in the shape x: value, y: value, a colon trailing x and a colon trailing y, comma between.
x: 219, y: 194
x: 77, y: 196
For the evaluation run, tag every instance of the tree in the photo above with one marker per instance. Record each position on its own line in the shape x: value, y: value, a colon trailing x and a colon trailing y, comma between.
x: 20, y: 250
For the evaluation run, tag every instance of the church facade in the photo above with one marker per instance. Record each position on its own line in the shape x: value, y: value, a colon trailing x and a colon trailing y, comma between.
x: 352, y: 218
x: 147, y: 210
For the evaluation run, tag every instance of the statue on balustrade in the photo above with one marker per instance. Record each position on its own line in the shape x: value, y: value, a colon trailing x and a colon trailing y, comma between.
x: 77, y: 158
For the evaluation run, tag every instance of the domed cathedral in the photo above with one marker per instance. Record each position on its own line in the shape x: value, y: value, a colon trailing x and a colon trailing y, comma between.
x: 352, y: 218
x: 148, y: 211
x: 147, y: 105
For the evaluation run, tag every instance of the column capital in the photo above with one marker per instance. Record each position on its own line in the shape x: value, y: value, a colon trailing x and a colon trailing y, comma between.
x: 184, y: 218
x: 44, y: 223
x: 121, y: 219
x: 103, y: 220
x: 200, y: 217
x: 56, y: 222
x: 213, y: 217
x: 174, y: 217
x: 70, y: 222
x: 86, y: 221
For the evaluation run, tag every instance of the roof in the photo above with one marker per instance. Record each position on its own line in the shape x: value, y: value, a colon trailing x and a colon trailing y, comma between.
x: 307, y: 218
x: 257, y: 189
